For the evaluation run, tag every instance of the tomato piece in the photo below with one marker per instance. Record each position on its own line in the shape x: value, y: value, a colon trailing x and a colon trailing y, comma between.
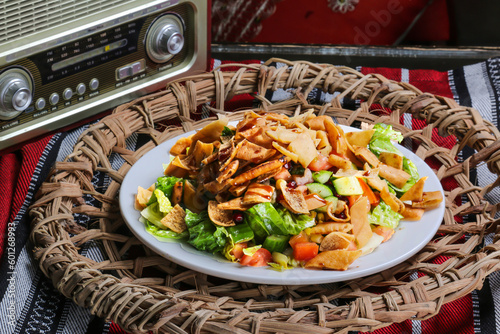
x: 353, y: 199
x: 237, y: 250
x: 368, y: 192
x: 320, y: 163
x: 299, y: 238
x: 383, y: 231
x: 305, y: 251
x: 261, y: 258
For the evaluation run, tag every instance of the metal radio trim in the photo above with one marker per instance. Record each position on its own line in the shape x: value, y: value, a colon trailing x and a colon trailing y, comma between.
x: 108, y: 100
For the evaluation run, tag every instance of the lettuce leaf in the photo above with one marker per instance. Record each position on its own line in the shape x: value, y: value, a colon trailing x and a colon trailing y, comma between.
x: 166, y: 185
x: 164, y: 204
x: 382, y: 139
x: 203, y: 234
x: 294, y: 224
x: 162, y: 234
x: 383, y: 215
x: 153, y: 214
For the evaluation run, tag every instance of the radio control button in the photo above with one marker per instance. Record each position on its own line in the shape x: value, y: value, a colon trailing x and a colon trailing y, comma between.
x: 40, y: 103
x: 67, y: 94
x: 80, y: 89
x: 54, y: 99
x: 124, y: 72
x: 94, y: 84
x: 137, y: 67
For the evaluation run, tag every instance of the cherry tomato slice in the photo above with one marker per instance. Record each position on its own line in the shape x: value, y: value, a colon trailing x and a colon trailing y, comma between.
x: 261, y: 258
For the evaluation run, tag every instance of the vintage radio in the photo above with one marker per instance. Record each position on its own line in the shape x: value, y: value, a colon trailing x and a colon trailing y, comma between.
x: 63, y: 61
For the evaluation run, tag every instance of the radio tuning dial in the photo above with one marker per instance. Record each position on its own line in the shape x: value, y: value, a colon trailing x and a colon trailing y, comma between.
x: 165, y: 38
x: 15, y: 92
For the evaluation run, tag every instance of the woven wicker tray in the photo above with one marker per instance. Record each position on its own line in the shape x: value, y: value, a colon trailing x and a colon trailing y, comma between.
x: 141, y: 291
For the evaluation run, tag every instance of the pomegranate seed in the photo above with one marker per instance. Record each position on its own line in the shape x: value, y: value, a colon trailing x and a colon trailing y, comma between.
x: 287, y: 165
x: 292, y: 184
x: 341, y: 215
x: 238, y: 217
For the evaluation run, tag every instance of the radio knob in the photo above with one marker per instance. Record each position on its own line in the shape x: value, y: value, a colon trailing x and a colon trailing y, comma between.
x: 15, y: 93
x: 165, y: 38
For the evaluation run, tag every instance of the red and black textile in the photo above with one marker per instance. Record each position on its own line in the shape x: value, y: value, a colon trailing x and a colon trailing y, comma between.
x: 32, y: 305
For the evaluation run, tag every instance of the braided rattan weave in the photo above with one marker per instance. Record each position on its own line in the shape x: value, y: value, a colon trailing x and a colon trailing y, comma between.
x: 142, y: 291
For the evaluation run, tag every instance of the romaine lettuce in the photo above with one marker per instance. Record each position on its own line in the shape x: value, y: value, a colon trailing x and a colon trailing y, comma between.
x: 382, y: 139
x: 294, y: 224
x: 153, y: 214
x: 165, y: 184
x: 162, y: 234
x: 203, y: 234
x: 383, y: 215
x: 164, y: 204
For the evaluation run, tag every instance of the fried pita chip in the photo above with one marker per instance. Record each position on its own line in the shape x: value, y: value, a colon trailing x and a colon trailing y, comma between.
x: 252, y: 173
x: 218, y: 216
x: 416, y: 192
x: 333, y: 209
x: 258, y: 193
x: 360, y: 138
x: 234, y: 204
x: 391, y: 159
x: 360, y: 223
x: 294, y: 157
x: 174, y: 220
x: 410, y: 213
x: 248, y: 151
x: 339, y: 259
x: 339, y: 162
x: 142, y: 198
x: 336, y: 240
x: 391, y: 200
x: 210, y: 133
x: 397, y: 177
x: 329, y: 227
x: 181, y: 145
x: 336, y: 137
x: 365, y: 155
x: 305, y: 149
x: 173, y: 170
x: 293, y: 198
x: 228, y: 171
x: 201, y: 151
x: 430, y: 200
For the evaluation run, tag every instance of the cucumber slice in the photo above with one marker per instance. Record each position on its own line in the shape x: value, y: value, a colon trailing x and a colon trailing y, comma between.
x: 328, y: 200
x: 348, y: 186
x: 276, y: 243
x: 322, y: 176
x: 322, y: 190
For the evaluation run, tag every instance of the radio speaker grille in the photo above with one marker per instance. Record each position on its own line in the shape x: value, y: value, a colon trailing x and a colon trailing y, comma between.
x: 22, y: 18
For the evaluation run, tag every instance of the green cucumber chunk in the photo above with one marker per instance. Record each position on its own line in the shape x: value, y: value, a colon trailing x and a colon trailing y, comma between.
x: 328, y: 200
x: 322, y: 190
x: 322, y: 176
x: 348, y: 186
x: 240, y: 233
x: 276, y: 243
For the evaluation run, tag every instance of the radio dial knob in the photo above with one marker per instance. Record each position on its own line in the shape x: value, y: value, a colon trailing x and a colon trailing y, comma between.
x: 171, y: 41
x: 165, y: 38
x: 15, y: 93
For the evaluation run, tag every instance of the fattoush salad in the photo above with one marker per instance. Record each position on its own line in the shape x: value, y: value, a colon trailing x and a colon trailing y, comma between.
x: 285, y: 191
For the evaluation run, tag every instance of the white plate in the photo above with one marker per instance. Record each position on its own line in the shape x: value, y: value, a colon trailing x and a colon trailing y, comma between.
x: 409, y: 238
